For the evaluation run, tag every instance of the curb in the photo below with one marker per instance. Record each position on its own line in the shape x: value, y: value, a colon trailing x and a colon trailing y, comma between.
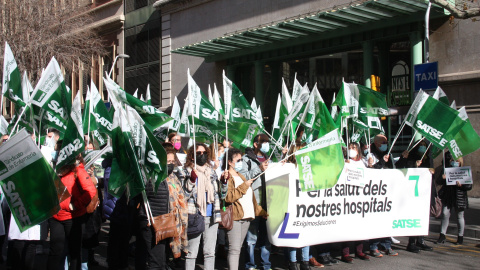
x: 435, y: 227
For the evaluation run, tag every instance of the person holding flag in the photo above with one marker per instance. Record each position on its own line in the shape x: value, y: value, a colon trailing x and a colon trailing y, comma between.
x: 417, y: 157
x: 254, y: 163
x: 66, y: 225
x: 202, y: 192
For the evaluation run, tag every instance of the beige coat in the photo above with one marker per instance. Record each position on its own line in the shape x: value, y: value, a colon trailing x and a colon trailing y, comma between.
x: 233, y: 194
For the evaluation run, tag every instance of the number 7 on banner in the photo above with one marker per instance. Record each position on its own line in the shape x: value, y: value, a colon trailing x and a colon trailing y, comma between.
x: 415, y: 178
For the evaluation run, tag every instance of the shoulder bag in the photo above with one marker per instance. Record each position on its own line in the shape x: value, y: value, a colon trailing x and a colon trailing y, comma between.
x: 226, y: 214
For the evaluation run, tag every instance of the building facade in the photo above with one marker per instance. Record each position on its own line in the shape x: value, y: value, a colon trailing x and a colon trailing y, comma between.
x: 375, y: 43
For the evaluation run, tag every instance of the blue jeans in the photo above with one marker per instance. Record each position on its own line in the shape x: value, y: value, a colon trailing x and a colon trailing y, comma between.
x: 258, y: 228
x: 305, y: 254
x: 385, y: 242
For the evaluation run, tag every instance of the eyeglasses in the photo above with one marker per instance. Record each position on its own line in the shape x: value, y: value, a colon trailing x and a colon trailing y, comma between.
x: 200, y: 152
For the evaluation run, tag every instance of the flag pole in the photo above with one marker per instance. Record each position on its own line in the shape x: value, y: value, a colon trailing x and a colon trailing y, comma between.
x: 411, y: 141
x: 89, y: 116
x: 396, y: 137
x: 16, y: 123
x: 1, y: 105
x: 346, y: 133
x: 427, y: 151
x: 419, y: 141
x: 194, y: 142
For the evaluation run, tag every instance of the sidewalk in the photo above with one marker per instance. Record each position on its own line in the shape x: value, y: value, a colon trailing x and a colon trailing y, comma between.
x: 472, y: 221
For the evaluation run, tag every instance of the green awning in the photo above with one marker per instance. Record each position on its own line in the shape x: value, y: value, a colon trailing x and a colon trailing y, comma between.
x: 319, y: 23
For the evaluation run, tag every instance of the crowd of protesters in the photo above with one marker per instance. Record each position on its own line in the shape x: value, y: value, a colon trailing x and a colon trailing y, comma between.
x: 203, y: 180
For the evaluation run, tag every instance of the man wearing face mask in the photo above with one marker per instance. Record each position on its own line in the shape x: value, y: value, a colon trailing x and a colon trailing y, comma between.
x: 379, y: 150
x: 53, y: 136
x: 255, y: 162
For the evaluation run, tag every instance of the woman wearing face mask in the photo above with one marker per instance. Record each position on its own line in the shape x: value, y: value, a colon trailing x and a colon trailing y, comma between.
x: 168, y: 198
x: 245, y: 207
x: 202, y: 192
x: 175, y: 140
x: 417, y: 157
x: 355, y: 158
x: 453, y: 196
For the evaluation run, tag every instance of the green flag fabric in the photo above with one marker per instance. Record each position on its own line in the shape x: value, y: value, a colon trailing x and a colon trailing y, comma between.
x: 237, y: 108
x: 434, y: 120
x: 100, y: 119
x: 32, y: 189
x: 151, y: 115
x: 73, y: 141
x: 52, y: 98
x: 321, y: 162
x: 465, y: 142
x: 12, y: 82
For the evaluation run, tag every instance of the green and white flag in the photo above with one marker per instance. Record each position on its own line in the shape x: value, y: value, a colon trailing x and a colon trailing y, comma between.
x: 297, y: 89
x: 155, y: 160
x: 217, y: 100
x: 201, y: 108
x: 434, y: 120
x: 277, y: 147
x: 12, y: 82
x: 321, y: 162
x: 32, y: 189
x: 176, y: 115
x: 151, y: 115
x: 73, y: 141
x: 3, y: 126
x: 254, y: 105
x: 51, y: 96
x: 135, y: 94
x: 316, y: 115
x: 441, y: 96
x: 298, y: 108
x: 357, y: 100
x: 148, y: 96
x: 96, y: 113
x: 465, y: 142
x: 210, y: 96
x: 237, y: 108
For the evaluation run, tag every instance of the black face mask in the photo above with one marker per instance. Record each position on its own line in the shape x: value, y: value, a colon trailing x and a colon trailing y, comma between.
x: 170, y: 168
x: 201, y: 159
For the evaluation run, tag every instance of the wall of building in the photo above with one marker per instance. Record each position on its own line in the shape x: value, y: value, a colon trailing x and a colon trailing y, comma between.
x: 456, y: 46
x: 214, y: 19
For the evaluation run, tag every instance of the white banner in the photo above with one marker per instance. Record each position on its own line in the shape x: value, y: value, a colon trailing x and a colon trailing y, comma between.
x: 391, y: 203
x: 460, y: 174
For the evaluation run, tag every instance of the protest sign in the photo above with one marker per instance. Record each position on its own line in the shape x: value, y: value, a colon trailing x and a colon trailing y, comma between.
x: 33, y: 191
x: 460, y: 174
x: 353, y: 174
x: 392, y: 203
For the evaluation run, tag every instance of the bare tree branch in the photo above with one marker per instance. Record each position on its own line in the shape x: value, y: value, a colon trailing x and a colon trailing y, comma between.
x: 463, y: 10
x: 37, y: 30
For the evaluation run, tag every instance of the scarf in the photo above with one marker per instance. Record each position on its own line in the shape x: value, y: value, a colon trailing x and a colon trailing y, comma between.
x: 204, y: 185
x: 179, y: 205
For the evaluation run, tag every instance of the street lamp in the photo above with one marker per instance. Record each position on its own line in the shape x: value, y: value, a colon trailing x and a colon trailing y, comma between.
x: 114, y: 61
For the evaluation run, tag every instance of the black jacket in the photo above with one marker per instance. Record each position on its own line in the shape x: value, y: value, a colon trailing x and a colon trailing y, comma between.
x: 159, y: 202
x: 381, y: 164
x: 454, y: 196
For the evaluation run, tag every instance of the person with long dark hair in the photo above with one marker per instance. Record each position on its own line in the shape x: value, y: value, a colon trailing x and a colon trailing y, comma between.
x: 202, y: 192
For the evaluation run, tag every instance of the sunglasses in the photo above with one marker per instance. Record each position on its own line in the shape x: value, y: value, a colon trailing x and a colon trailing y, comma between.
x: 200, y: 152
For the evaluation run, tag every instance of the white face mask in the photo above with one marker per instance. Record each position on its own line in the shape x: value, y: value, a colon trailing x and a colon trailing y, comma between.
x: 50, y: 142
x: 352, y: 153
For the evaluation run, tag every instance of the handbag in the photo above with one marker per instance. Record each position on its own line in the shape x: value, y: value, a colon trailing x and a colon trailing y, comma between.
x: 196, y: 225
x: 165, y: 227
x: 226, y: 214
x: 436, y: 208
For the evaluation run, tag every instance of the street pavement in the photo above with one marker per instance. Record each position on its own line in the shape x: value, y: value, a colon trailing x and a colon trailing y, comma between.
x: 444, y: 256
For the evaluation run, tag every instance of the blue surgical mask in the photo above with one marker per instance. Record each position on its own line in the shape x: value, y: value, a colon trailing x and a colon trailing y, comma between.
x: 383, y: 147
x: 238, y: 166
x: 455, y: 164
x: 308, y: 140
x: 221, y: 156
x: 422, y: 149
x: 265, y: 147
x: 365, y: 152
